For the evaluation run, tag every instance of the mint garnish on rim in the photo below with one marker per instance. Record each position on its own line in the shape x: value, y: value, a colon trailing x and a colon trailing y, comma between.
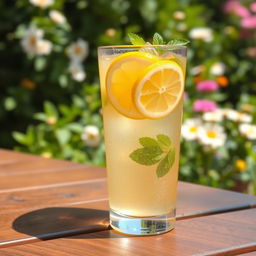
x: 157, y: 40
x: 155, y: 151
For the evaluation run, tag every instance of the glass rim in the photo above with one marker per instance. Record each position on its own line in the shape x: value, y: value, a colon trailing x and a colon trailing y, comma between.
x: 143, y: 46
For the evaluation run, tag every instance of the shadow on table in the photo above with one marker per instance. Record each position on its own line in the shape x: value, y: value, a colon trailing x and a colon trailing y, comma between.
x: 56, y: 222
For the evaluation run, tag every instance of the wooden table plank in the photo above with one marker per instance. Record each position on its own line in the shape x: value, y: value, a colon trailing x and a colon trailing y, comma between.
x: 223, y: 234
x: 55, y: 177
x: 203, y: 200
x: 191, y: 198
x: 249, y: 254
x: 9, y: 155
x: 72, y: 194
x: 191, y: 203
x: 15, y: 162
x: 31, y: 166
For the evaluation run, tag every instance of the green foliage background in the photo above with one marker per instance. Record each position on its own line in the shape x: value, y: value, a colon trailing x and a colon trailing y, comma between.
x: 25, y: 113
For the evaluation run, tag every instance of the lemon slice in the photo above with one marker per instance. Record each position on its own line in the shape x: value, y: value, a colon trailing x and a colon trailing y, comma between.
x: 120, y: 80
x: 159, y: 89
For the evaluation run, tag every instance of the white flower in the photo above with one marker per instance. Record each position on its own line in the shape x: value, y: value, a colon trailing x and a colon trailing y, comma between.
x: 218, y: 69
x: 44, y: 47
x: 245, y: 118
x: 189, y: 129
x: 42, y: 3
x: 91, y: 135
x: 179, y: 15
x: 78, y: 50
x: 57, y: 17
x: 76, y: 70
x: 201, y: 33
x: 212, y: 135
x: 230, y: 114
x: 215, y: 116
x: 30, y: 40
x: 33, y: 42
x: 236, y: 116
x: 248, y: 130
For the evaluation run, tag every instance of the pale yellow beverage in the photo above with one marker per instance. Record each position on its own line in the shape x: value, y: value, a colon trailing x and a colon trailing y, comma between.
x: 142, y: 134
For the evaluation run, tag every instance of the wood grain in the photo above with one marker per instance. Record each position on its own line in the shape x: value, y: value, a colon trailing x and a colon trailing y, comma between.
x: 9, y: 155
x: 249, y: 254
x: 13, y: 162
x: 223, y: 234
x: 71, y: 194
x: 49, y: 198
x: 192, y: 199
x: 203, y: 200
x: 52, y: 222
x: 56, y: 176
x: 191, y: 203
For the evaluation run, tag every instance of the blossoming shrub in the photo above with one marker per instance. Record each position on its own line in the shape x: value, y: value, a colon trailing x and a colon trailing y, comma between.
x: 50, y: 102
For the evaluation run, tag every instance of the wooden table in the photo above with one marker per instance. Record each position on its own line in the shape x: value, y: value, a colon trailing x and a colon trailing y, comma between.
x: 55, y: 207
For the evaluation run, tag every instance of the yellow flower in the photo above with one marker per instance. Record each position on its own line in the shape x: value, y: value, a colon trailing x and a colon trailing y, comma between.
x: 46, y: 155
x: 240, y: 165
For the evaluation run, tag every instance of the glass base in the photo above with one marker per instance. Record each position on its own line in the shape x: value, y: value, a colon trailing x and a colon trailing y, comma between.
x: 142, y: 225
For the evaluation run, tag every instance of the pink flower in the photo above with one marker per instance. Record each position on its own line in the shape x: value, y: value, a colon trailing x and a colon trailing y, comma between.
x: 241, y: 11
x: 230, y: 5
x: 249, y: 22
x: 253, y: 7
x: 207, y: 86
x: 204, y: 106
x: 233, y: 6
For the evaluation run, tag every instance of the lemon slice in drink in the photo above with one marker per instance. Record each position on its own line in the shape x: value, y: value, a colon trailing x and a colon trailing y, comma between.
x: 159, y: 89
x: 120, y: 79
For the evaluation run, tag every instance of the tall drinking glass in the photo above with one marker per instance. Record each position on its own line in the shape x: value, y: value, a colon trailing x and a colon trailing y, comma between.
x: 142, y: 100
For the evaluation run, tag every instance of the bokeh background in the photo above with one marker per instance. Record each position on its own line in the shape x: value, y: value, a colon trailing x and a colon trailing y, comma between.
x: 50, y: 102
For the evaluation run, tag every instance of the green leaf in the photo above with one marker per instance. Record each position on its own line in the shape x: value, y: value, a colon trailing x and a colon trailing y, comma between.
x: 147, y: 155
x: 75, y: 127
x: 40, y: 63
x: 178, y: 42
x: 148, y: 142
x: 166, y: 164
x: 20, y: 137
x: 135, y: 39
x: 40, y: 116
x: 158, y: 39
x: 50, y: 109
x: 10, y: 103
x: 164, y: 142
x: 63, y: 136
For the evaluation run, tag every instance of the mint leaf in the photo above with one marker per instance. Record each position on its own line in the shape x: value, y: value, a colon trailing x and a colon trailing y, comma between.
x: 164, y: 142
x: 154, y: 151
x: 157, y: 39
x: 175, y: 42
x: 147, y: 155
x: 165, y: 164
x: 135, y: 39
x: 148, y: 142
x: 171, y: 156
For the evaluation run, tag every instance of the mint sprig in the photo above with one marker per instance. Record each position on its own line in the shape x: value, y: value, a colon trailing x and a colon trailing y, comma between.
x: 178, y: 42
x: 155, y: 151
x: 135, y: 39
x: 157, y: 40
